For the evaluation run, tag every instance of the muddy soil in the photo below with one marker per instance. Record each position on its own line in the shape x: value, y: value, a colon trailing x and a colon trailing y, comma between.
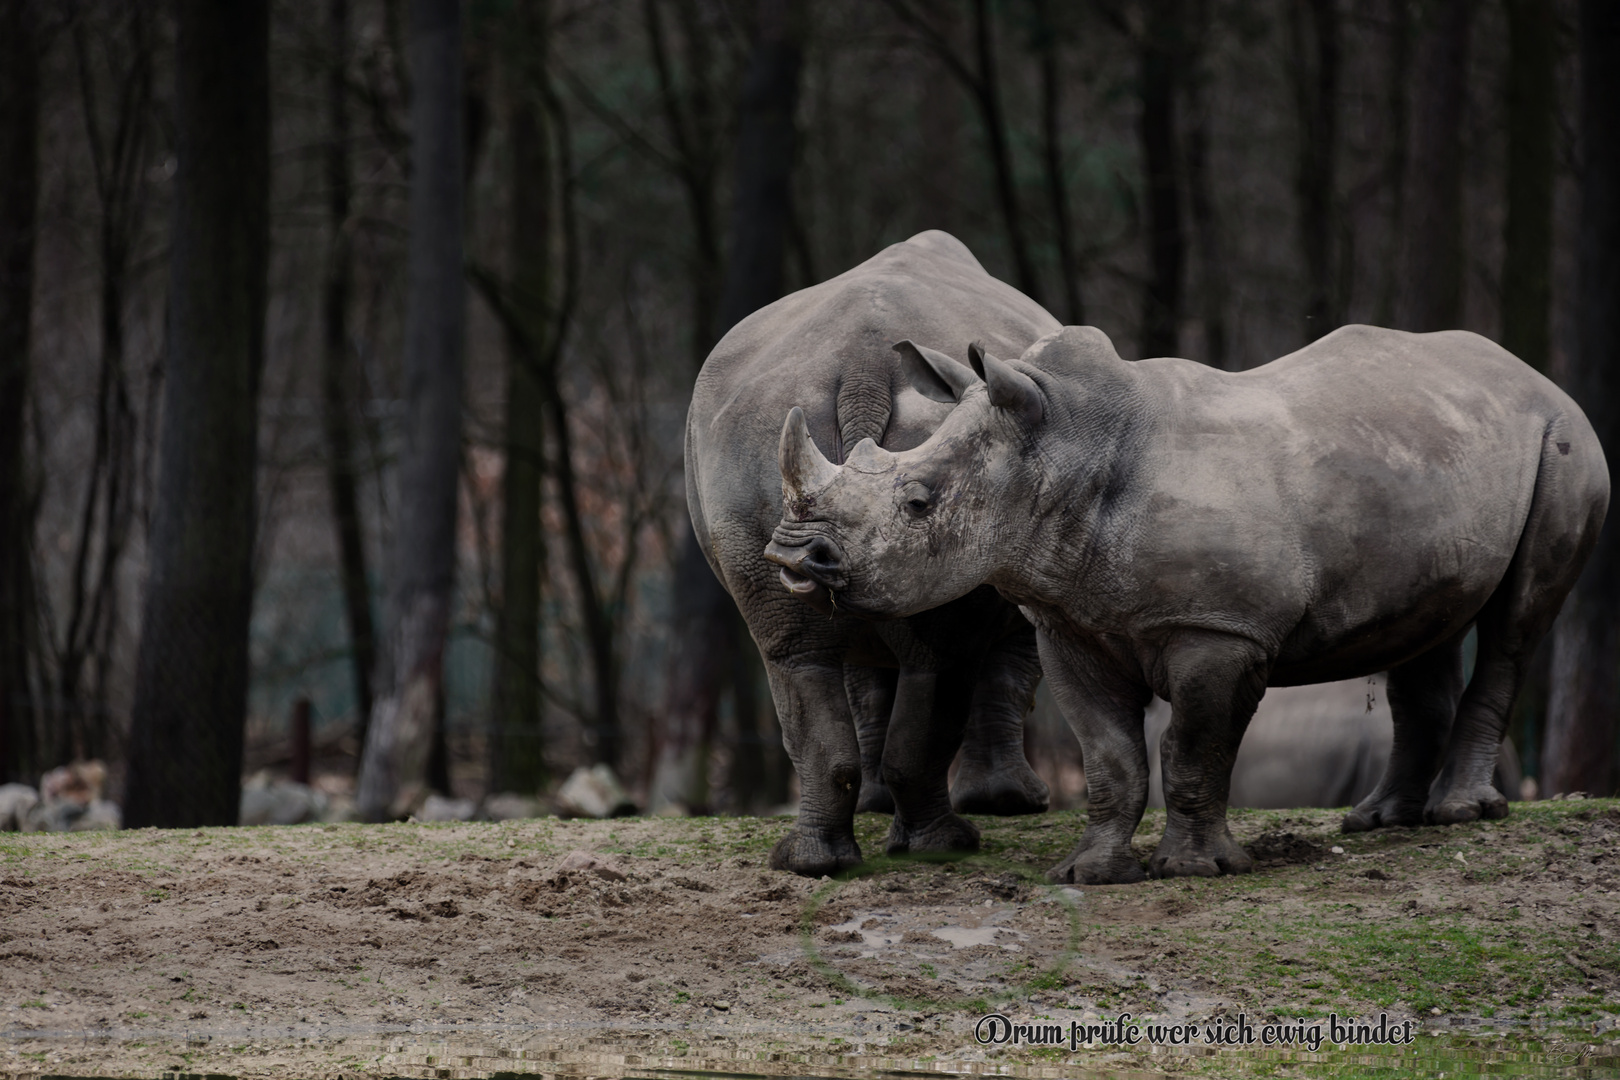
x: 348, y: 949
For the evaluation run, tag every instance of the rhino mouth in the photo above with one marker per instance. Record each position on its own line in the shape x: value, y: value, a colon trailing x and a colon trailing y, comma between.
x: 811, y: 568
x: 807, y: 589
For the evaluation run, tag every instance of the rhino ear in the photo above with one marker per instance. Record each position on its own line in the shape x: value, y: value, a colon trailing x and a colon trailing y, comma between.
x: 1009, y: 388
x: 805, y: 470
x: 931, y: 364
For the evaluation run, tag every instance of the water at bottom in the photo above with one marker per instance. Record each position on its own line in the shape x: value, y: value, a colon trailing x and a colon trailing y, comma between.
x: 654, y: 1054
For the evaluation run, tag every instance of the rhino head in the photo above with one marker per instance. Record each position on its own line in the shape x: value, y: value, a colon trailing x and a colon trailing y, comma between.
x: 886, y: 535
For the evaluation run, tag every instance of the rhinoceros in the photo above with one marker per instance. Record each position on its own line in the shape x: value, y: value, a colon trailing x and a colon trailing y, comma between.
x: 1171, y: 529
x: 866, y: 711
x: 1326, y: 744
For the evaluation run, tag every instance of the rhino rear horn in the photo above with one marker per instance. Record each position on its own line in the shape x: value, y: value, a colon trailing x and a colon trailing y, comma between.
x: 1009, y: 388
x: 804, y: 468
x: 954, y: 375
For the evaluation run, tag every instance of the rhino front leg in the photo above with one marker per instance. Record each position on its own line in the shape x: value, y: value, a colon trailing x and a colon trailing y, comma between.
x: 1423, y: 695
x: 1105, y: 712
x: 930, y: 711
x: 819, y: 736
x: 1216, y: 682
x: 995, y: 777
x: 871, y: 698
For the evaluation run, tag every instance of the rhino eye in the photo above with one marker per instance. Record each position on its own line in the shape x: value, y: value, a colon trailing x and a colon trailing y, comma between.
x: 919, y: 501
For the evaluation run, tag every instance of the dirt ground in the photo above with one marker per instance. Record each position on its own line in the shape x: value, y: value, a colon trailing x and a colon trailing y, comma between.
x: 630, y: 946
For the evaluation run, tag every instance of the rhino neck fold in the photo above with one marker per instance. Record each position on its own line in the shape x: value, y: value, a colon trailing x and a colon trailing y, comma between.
x: 1088, y: 476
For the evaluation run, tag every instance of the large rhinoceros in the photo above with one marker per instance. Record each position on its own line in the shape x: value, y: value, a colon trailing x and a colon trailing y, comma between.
x: 907, y: 687
x: 1353, y: 507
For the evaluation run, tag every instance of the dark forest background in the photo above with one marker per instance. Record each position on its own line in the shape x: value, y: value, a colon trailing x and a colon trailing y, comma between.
x: 345, y: 345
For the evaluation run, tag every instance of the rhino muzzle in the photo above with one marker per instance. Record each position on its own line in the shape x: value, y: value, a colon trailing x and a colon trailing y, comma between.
x: 812, y: 566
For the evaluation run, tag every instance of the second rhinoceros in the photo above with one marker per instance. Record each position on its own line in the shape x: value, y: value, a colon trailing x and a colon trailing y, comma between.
x: 1353, y: 507
x: 866, y: 707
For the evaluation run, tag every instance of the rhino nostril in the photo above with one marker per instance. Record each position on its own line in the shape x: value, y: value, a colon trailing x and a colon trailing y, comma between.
x: 822, y: 557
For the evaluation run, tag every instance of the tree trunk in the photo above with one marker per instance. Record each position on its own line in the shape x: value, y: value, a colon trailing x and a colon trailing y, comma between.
x: 982, y: 82
x: 994, y: 117
x: 1316, y: 93
x: 1213, y: 269
x: 1047, y: 38
x: 191, y: 674
x: 761, y: 211
x: 337, y: 379
x: 1430, y: 295
x: 1161, y: 57
x: 1584, y: 715
x: 517, y: 753
x: 1528, y: 235
x: 1527, y: 265
x: 1400, y: 128
x: 19, y: 178
x: 393, y: 773
x: 694, y: 129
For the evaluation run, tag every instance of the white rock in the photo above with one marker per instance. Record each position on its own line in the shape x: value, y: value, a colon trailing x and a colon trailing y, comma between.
x: 510, y: 806
x: 100, y: 815
x: 594, y: 793
x: 15, y: 802
x: 280, y: 803
x: 438, y: 808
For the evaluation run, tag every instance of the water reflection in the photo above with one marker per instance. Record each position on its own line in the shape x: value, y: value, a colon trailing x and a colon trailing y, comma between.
x: 654, y: 1055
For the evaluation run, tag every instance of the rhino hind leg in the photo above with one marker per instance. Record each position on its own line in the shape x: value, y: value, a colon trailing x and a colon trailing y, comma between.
x: 1216, y: 682
x: 1464, y: 790
x: 994, y: 776
x: 871, y: 699
x: 1106, y: 716
x: 1423, y: 695
x: 1566, y: 513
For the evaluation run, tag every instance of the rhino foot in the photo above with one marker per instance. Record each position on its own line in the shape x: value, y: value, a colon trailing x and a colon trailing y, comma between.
x: 1176, y: 857
x: 875, y: 797
x: 812, y: 855
x: 946, y: 833
x: 1094, y: 867
x: 1006, y: 792
x: 1469, y: 804
x: 1383, y: 810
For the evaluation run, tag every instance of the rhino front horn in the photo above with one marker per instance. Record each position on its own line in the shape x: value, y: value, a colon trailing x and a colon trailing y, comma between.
x: 804, y: 468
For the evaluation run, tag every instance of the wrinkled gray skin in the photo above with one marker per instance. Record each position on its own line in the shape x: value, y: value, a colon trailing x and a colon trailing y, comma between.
x: 1171, y: 529
x: 871, y: 714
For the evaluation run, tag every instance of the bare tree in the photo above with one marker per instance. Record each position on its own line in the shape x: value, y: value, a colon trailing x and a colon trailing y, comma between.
x: 191, y: 672
x: 517, y: 755
x: 337, y: 377
x: 19, y: 179
x: 1584, y: 713
x: 1161, y: 57
x: 1050, y: 31
x: 1431, y: 293
x: 1315, y: 70
x: 1527, y: 264
x: 1531, y: 164
x: 707, y: 632
x: 117, y: 125
x: 982, y: 81
x: 394, y: 767
x: 695, y: 126
x: 1213, y: 271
